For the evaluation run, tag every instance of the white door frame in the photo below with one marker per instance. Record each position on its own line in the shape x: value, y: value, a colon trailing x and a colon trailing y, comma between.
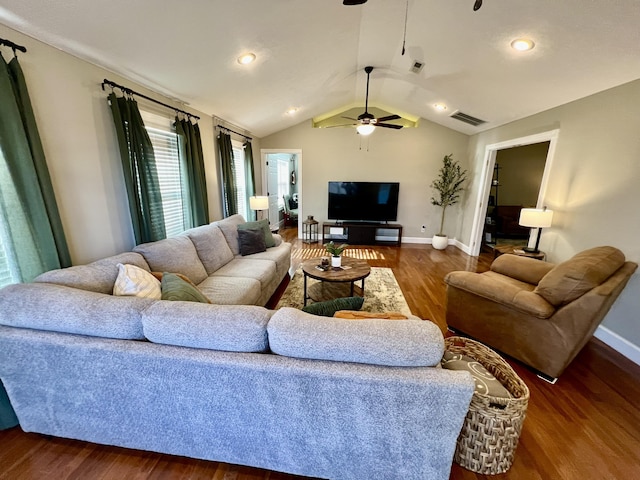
x: 263, y: 166
x: 487, y: 174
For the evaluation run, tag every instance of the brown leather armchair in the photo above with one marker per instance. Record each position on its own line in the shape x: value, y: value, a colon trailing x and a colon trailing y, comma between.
x: 537, y: 312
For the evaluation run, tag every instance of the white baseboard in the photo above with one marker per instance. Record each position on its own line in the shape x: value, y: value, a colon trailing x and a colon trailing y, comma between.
x: 619, y: 344
x: 427, y: 241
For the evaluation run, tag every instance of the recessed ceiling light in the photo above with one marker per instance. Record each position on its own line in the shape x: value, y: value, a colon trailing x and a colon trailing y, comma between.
x: 522, y: 44
x: 292, y: 110
x: 246, y: 58
x: 441, y: 107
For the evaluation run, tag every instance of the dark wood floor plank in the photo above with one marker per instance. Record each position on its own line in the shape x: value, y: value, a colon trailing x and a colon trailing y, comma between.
x: 587, y: 426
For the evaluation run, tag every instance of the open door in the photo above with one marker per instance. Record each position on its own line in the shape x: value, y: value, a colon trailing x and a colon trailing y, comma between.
x: 281, y: 171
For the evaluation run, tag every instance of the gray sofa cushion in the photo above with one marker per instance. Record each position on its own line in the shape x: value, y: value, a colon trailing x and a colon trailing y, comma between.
x: 174, y: 255
x: 44, y: 306
x: 399, y: 343
x: 212, y: 247
x: 261, y: 270
x: 231, y: 290
x: 229, y: 227
x: 236, y: 328
x: 98, y: 276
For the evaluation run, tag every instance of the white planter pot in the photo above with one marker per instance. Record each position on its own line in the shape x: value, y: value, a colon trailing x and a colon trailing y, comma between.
x: 440, y: 242
x: 336, y: 261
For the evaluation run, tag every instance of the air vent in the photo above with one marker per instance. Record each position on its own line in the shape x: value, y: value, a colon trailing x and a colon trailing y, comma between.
x: 463, y: 117
x: 417, y: 66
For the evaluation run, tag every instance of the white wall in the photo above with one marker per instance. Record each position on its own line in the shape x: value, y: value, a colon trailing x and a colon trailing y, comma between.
x: 411, y: 156
x: 593, y: 187
x: 80, y: 145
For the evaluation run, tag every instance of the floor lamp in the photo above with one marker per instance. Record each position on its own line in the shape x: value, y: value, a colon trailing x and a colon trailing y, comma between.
x: 260, y: 203
x: 535, y: 218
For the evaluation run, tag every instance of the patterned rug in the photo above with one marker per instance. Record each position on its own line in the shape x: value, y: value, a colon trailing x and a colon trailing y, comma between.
x: 381, y: 292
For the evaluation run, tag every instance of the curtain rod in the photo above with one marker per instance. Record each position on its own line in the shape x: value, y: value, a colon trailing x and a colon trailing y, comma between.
x: 132, y: 92
x: 13, y: 46
x: 233, y: 131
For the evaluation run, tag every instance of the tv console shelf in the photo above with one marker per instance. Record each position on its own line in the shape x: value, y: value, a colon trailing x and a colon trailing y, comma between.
x: 356, y: 233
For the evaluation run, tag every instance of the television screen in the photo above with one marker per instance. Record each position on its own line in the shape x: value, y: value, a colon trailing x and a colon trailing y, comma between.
x: 363, y: 201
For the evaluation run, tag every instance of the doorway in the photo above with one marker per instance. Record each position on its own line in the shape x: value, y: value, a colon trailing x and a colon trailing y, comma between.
x: 484, y: 230
x: 281, y: 174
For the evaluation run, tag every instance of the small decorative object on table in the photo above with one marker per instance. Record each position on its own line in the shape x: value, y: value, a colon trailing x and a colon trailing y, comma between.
x: 491, y: 430
x: 335, y: 251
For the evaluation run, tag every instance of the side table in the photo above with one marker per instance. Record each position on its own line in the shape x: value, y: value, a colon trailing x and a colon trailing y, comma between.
x: 503, y: 249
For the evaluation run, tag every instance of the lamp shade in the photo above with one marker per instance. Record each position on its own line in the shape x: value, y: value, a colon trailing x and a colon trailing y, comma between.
x: 259, y: 203
x: 365, y: 129
x: 535, y: 217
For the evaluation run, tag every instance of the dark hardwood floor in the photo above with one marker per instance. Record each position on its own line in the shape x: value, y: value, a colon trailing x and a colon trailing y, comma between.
x: 587, y: 426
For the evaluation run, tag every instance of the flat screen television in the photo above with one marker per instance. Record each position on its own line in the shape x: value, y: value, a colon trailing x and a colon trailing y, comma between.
x: 363, y: 201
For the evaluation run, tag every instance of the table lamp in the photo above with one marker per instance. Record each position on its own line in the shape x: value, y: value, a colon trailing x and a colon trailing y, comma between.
x: 260, y: 203
x: 535, y: 218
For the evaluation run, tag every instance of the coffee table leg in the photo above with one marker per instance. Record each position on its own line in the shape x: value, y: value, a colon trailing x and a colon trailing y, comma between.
x: 363, y: 287
x: 351, y: 295
x: 305, y: 289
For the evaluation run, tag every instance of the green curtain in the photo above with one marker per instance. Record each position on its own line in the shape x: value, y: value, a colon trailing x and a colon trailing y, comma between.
x: 229, y: 189
x: 139, y: 168
x: 192, y: 159
x: 32, y: 230
x: 249, y: 176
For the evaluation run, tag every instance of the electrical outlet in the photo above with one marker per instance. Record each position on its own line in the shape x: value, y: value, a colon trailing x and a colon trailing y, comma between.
x: 423, y: 228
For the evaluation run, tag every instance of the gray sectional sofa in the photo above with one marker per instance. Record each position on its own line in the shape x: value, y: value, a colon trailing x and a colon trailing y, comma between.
x: 282, y: 390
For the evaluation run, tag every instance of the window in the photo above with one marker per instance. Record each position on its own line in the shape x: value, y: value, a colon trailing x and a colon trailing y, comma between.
x: 6, y: 277
x: 240, y: 177
x: 170, y: 172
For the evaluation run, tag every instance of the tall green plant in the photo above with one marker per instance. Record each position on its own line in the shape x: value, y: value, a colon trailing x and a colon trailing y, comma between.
x: 448, y: 186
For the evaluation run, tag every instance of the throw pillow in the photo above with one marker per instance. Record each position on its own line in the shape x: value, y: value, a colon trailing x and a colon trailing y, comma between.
x: 486, y: 383
x: 330, y: 307
x: 176, y: 289
x: 269, y: 241
x: 356, y: 315
x: 251, y: 241
x: 133, y: 281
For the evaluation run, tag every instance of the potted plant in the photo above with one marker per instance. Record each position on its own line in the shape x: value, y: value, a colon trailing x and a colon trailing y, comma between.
x: 448, y: 186
x: 335, y: 251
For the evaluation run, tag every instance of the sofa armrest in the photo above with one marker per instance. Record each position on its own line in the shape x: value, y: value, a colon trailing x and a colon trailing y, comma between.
x: 525, y: 269
x: 277, y: 238
x: 502, y: 293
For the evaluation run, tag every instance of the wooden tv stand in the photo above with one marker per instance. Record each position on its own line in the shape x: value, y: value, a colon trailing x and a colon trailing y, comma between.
x: 356, y: 233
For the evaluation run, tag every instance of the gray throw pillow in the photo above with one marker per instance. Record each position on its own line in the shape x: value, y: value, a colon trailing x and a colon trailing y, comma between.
x: 251, y: 241
x: 486, y: 383
x: 330, y: 307
x: 263, y: 224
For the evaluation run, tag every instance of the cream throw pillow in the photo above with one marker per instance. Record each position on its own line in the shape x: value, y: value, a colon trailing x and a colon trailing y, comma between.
x: 137, y: 282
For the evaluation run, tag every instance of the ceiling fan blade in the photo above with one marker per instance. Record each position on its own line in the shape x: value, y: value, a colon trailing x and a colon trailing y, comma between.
x: 353, y: 2
x: 389, y: 125
x: 390, y: 117
x: 477, y: 5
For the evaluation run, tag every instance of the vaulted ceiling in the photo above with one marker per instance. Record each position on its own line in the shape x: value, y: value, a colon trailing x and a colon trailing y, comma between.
x: 311, y: 53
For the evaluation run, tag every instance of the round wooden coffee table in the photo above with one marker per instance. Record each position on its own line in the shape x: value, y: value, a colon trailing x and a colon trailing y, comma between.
x: 335, y: 282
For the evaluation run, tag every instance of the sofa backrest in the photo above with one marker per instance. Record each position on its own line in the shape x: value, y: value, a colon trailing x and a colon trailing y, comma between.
x: 98, y: 276
x: 211, y: 246
x: 175, y: 255
x: 582, y: 272
x: 229, y: 227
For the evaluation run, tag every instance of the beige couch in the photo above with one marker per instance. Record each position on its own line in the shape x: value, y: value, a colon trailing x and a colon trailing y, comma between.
x: 537, y: 312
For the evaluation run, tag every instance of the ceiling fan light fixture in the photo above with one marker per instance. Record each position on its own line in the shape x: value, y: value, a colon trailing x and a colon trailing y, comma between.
x: 365, y: 129
x: 246, y: 58
x: 522, y: 44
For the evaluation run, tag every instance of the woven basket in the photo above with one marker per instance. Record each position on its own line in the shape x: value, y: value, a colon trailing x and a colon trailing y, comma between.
x: 491, y: 430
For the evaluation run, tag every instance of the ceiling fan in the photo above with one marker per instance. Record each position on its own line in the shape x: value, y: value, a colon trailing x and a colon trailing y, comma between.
x: 367, y: 123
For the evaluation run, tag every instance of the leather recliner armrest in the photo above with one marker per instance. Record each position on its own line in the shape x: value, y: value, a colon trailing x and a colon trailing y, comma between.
x: 503, y: 293
x: 525, y: 269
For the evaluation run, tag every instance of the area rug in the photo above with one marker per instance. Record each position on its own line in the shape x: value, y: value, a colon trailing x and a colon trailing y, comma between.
x: 381, y: 292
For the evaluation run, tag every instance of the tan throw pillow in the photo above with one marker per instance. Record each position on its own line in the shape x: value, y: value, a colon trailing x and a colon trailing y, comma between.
x: 133, y: 281
x: 582, y: 272
x: 486, y: 383
x: 358, y: 315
